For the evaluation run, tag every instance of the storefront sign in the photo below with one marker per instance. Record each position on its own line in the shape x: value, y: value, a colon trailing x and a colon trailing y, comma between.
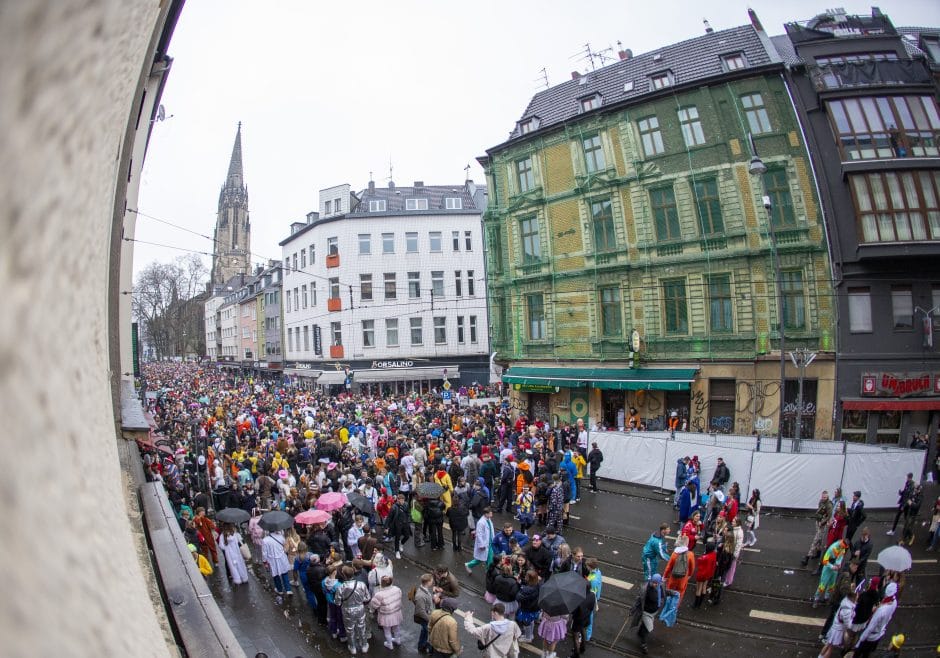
x: 317, y: 340
x: 534, y: 388
x: 900, y: 385
x: 385, y: 365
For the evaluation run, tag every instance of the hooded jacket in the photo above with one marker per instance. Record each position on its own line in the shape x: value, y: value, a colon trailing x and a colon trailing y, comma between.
x: 506, y: 633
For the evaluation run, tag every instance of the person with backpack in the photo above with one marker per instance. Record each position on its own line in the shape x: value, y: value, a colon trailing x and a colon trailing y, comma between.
x: 398, y: 524
x: 680, y: 567
x: 594, y: 459
x: 442, y: 631
x: 457, y: 517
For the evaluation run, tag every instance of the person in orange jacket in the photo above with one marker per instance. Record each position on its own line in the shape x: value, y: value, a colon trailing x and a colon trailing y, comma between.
x: 677, y: 577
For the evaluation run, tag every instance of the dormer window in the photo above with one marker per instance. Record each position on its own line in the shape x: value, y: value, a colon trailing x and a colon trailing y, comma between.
x: 529, y: 125
x: 589, y: 103
x: 733, y: 61
x: 416, y: 204
x: 662, y: 80
x: 453, y: 203
x: 932, y: 46
x: 377, y: 205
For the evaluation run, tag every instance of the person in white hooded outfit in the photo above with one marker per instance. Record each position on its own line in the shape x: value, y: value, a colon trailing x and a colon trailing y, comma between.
x: 500, y: 637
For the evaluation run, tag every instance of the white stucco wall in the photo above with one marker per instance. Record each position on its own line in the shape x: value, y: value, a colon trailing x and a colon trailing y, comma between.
x: 72, y: 579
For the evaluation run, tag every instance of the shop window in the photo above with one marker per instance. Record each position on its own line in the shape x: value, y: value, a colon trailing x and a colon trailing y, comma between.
x: 889, y: 427
x: 855, y: 425
x: 721, y: 394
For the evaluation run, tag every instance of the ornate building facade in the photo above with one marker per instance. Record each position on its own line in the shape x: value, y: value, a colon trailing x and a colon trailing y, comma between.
x: 232, y: 254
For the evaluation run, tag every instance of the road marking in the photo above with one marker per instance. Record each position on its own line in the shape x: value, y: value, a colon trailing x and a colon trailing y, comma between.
x: 752, y: 550
x: 523, y: 645
x: 787, y: 619
x: 572, y: 516
x: 616, y: 582
x: 924, y: 561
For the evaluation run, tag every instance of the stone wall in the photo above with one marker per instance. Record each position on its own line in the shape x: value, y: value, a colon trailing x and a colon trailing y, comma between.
x: 73, y: 580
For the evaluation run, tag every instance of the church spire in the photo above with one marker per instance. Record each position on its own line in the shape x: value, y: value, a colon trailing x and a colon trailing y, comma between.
x: 235, y: 165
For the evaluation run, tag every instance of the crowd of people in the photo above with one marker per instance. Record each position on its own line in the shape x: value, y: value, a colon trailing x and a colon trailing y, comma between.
x: 402, y: 466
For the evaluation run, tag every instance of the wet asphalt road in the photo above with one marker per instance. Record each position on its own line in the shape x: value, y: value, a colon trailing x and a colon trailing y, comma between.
x: 766, y: 609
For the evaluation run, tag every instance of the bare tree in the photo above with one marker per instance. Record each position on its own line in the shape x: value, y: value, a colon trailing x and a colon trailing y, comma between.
x: 167, y: 308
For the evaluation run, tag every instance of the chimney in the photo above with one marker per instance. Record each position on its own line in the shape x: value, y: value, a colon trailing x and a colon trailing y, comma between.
x: 371, y: 187
x: 755, y: 21
x: 575, y: 75
x: 471, y: 187
x: 708, y: 27
x: 625, y: 54
x: 419, y: 183
x: 391, y: 185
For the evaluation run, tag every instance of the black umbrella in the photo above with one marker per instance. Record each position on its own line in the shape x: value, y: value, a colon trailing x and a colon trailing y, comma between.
x: 276, y: 520
x: 361, y: 503
x: 430, y: 490
x: 232, y: 515
x: 562, y: 593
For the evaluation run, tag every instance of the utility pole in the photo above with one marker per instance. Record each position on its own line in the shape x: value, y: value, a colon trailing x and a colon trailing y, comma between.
x: 801, y: 358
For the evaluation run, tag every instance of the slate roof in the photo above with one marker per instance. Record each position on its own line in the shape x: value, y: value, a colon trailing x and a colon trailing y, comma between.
x: 435, y: 194
x: 690, y: 60
x: 788, y: 53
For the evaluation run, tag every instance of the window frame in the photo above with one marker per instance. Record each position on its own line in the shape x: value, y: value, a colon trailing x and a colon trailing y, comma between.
x: 525, y: 174
x: 858, y: 301
x: 435, y: 238
x: 602, y: 224
x: 592, y: 147
x: 690, y: 124
x: 411, y: 239
x: 416, y: 324
x: 793, y: 293
x: 661, y: 80
x: 610, y: 301
x: 336, y: 334
x: 440, y: 329
x: 755, y: 111
x: 437, y: 284
x: 414, y: 285
x: 388, y: 243
x: 473, y: 330
x: 455, y: 240
x: 651, y: 136
x: 391, y: 325
x: 777, y: 187
x: 390, y: 286
x: 675, y: 306
x: 458, y: 283
x: 904, y: 294
x: 471, y: 284
x: 530, y: 239
x: 365, y: 244
x: 416, y: 203
x: 708, y: 206
x: 368, y: 334
x: 453, y: 203
x: 536, y: 323
x: 738, y: 59
x: 875, y: 215
x: 332, y: 246
x: 665, y: 212
x: 365, y: 287
x: 720, y: 303
x: 377, y: 205
x: 461, y: 333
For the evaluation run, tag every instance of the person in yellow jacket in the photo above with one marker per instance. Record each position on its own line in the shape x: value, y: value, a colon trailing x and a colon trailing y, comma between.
x: 580, y: 462
x: 278, y: 463
x: 344, y: 435
x: 205, y: 567
x: 443, y: 479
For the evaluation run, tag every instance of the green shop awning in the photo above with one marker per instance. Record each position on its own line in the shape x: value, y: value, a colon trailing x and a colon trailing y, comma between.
x: 614, y: 379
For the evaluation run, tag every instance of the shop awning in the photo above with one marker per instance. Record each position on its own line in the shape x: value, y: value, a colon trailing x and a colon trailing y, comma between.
x: 891, y: 404
x: 615, y: 379
x: 332, y: 377
x: 302, y: 372
x: 374, y: 375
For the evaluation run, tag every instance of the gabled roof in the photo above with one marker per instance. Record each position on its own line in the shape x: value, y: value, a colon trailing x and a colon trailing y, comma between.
x: 691, y: 60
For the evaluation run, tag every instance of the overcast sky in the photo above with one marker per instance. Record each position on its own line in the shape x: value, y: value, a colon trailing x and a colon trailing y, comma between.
x: 328, y: 92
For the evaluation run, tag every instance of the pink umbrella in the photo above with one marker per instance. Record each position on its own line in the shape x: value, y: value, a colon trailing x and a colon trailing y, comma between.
x: 312, y: 516
x: 332, y: 500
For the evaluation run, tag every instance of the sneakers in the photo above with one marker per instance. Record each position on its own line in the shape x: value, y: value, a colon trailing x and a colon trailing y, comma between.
x: 397, y: 555
x: 352, y: 649
x: 388, y: 645
x: 890, y: 532
x: 365, y: 648
x: 467, y: 567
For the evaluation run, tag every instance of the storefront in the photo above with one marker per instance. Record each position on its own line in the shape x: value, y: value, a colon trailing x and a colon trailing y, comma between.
x: 891, y: 407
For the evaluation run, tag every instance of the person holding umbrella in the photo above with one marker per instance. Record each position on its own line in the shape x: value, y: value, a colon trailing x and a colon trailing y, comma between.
x: 559, y: 596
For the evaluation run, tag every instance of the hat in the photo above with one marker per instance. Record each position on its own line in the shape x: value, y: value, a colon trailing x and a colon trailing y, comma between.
x: 283, y: 474
x: 539, y: 537
x: 657, y: 578
x: 331, y: 466
x: 674, y: 414
x: 449, y: 604
x: 192, y: 547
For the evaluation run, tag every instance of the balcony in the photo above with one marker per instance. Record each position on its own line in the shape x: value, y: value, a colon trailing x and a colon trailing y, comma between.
x: 334, y: 304
x: 336, y: 352
x: 332, y: 260
x: 859, y: 75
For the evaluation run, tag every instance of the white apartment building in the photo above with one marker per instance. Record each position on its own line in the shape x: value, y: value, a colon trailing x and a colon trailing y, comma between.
x: 390, y: 287
x: 213, y: 332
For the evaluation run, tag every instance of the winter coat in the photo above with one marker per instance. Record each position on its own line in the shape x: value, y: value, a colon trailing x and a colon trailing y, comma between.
x: 505, y: 588
x: 506, y: 633
x: 483, y: 539
x: 443, y: 632
x: 386, y: 604
x: 433, y: 512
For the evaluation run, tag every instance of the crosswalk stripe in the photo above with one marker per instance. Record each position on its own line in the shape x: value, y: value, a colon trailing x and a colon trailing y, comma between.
x: 787, y: 619
x: 616, y: 582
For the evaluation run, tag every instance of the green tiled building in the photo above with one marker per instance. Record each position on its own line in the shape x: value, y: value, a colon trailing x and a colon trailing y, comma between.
x: 622, y: 210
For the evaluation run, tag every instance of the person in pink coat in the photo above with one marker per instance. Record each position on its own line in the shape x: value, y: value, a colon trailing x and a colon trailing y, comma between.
x: 386, y: 604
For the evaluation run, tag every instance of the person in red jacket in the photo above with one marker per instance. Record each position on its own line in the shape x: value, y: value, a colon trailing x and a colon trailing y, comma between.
x: 705, y: 571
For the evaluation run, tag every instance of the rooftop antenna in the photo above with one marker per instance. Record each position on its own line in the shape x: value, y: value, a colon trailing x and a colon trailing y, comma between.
x: 708, y: 27
x: 594, y: 56
x: 390, y: 170
x: 542, y: 79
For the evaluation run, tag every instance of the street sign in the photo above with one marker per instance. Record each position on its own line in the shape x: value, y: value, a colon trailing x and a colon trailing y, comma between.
x: 446, y: 397
x: 446, y: 385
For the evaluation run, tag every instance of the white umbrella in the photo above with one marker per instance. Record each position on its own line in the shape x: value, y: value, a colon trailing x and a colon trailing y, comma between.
x: 895, y: 558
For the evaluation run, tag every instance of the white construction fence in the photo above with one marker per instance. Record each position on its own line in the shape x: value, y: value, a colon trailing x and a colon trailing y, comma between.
x: 786, y: 479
